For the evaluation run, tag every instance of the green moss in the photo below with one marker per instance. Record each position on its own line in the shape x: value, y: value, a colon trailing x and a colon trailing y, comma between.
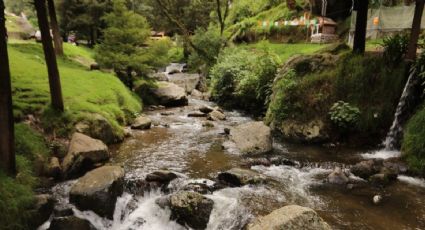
x: 84, y: 92
x: 413, y: 146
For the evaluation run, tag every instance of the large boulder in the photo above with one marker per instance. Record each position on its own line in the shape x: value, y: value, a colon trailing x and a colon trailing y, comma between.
x: 240, y: 177
x: 252, y: 138
x: 338, y: 177
x: 291, y: 217
x: 311, y: 132
x: 142, y: 122
x: 189, y: 208
x: 185, y: 80
x: 70, y: 223
x: 170, y: 94
x: 43, y: 208
x: 97, y: 126
x: 98, y: 190
x: 365, y: 169
x: 216, y: 115
x: 83, y: 153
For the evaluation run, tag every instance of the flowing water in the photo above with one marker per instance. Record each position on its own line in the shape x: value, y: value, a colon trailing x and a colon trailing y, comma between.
x: 182, y: 144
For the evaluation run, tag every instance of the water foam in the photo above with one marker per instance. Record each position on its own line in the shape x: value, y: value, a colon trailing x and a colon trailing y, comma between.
x: 412, y: 180
x: 381, y: 154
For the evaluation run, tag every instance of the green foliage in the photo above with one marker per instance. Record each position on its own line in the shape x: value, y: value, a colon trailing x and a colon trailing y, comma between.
x: 122, y: 45
x: 243, y: 78
x: 176, y: 54
x: 85, y: 92
x: 413, y: 146
x: 211, y: 42
x: 16, y: 194
x: 344, y: 116
x: 395, y: 48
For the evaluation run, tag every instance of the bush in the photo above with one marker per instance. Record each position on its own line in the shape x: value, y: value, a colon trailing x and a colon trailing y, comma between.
x: 344, y: 116
x: 243, y: 79
x: 413, y: 146
x: 395, y: 48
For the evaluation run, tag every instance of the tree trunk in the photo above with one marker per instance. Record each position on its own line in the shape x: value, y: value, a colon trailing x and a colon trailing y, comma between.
x: 57, y: 39
x: 49, y: 54
x: 416, y: 30
x: 7, y: 142
x: 361, y: 24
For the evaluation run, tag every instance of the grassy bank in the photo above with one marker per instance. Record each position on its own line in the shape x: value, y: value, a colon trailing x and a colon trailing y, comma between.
x: 413, y: 146
x: 85, y: 92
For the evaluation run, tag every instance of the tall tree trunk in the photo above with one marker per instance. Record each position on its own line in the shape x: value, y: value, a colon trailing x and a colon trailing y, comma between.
x: 7, y: 141
x: 416, y: 30
x: 57, y: 39
x: 361, y: 24
x: 49, y: 54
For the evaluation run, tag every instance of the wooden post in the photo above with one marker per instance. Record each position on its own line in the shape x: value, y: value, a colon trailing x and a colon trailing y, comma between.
x: 57, y: 39
x: 416, y: 30
x: 49, y: 54
x: 7, y: 141
x: 361, y: 24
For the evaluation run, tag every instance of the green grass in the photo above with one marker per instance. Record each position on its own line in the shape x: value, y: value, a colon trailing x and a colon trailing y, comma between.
x: 16, y: 194
x: 285, y: 51
x: 12, y: 24
x: 84, y: 92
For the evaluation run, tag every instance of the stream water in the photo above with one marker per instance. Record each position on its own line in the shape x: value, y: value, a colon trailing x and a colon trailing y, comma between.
x: 182, y: 144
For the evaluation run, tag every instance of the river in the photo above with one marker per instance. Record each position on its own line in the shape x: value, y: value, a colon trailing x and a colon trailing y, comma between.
x: 182, y: 144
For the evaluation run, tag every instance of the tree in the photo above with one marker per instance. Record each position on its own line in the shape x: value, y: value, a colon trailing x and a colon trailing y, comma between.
x: 416, y: 30
x: 55, y: 28
x: 222, y: 16
x: 361, y: 23
x: 50, y: 57
x: 122, y: 48
x: 7, y: 143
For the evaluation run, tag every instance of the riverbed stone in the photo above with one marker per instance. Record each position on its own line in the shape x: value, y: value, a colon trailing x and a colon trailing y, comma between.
x: 185, y: 80
x: 83, y: 153
x: 240, y: 177
x: 188, y: 208
x: 252, y: 138
x: 43, y: 208
x: 308, y: 132
x: 206, y: 109
x: 170, y: 94
x: 338, y: 177
x: 197, y: 114
x: 367, y: 168
x: 70, y: 223
x: 216, y: 116
x: 291, y: 217
x: 142, y: 122
x: 161, y: 176
x: 54, y: 168
x: 98, y: 190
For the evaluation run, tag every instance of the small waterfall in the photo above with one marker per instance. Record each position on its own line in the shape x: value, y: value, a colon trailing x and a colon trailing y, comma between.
x: 396, y: 131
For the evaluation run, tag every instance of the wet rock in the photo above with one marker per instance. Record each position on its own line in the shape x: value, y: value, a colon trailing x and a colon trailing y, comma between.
x: 207, y: 124
x: 201, y: 188
x: 206, y: 109
x: 252, y: 138
x: 161, y: 176
x: 338, y: 177
x: 280, y: 160
x: 170, y: 94
x: 310, y: 132
x: 197, y: 114
x: 70, y: 223
x: 44, y: 204
x: 216, y: 116
x: 256, y: 161
x: 98, y: 127
x: 83, y: 153
x: 365, y: 169
x: 189, y: 208
x: 382, y: 179
x: 98, y: 190
x: 167, y: 113
x: 227, y: 131
x: 196, y: 94
x: 141, y: 123
x: 377, y: 199
x: 239, y: 177
x: 292, y: 217
x: 395, y: 165
x: 54, y: 168
x: 185, y: 81
x: 63, y: 211
x: 139, y: 187
x: 128, y: 132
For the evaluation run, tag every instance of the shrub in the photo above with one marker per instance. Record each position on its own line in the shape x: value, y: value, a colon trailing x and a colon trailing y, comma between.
x: 344, y: 116
x: 209, y: 41
x: 243, y: 79
x: 395, y: 48
x: 413, y: 146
